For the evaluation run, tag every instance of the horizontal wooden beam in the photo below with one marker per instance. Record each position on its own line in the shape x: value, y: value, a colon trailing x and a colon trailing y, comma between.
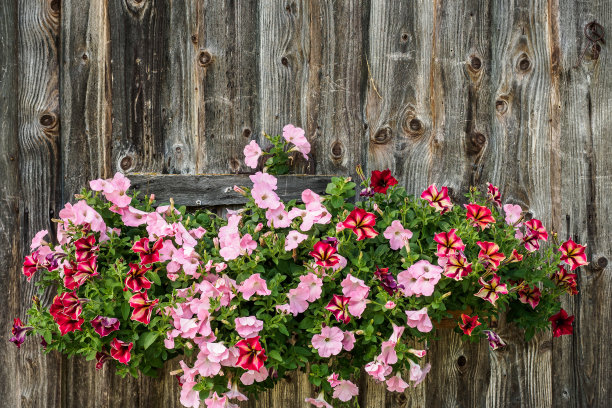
x: 214, y: 190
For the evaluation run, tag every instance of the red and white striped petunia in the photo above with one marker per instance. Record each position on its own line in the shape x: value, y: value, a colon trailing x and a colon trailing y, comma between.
x: 448, y: 243
x: 493, y: 194
x: 362, y: 223
x: 469, y: 324
x: 251, y: 354
x: 148, y: 255
x: 325, y: 254
x: 491, y: 290
x: 478, y: 215
x: 457, y: 266
x: 437, y: 199
x: 135, y: 280
x: 339, y: 308
x: 143, y: 307
x: 120, y: 350
x: 530, y: 296
x: 489, y: 254
x: 573, y: 254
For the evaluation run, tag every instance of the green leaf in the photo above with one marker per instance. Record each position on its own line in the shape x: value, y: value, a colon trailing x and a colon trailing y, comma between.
x: 125, y: 310
x: 155, y: 278
x: 275, y: 355
x: 148, y: 339
x: 283, y: 329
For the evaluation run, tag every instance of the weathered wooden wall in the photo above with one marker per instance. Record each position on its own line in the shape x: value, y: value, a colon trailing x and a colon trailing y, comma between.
x: 454, y: 92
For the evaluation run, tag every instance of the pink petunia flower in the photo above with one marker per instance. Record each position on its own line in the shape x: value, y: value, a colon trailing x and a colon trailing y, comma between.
x: 437, y: 199
x: 298, y: 299
x: 314, y: 284
x: 493, y: 194
x: 448, y: 243
x: 396, y: 384
x: 248, y: 326
x: 479, y: 216
x: 329, y: 342
x: 252, y: 376
x: 293, y: 239
x: 419, y: 319
x: 573, y: 254
x: 345, y: 390
x: 513, y: 213
x: 491, y: 290
x: 252, y: 152
x: 105, y: 325
x: 397, y: 235
x: 339, y: 308
x: 417, y: 374
x: 348, y: 343
x: 296, y: 136
x: 319, y: 402
x: 378, y: 370
x: 254, y: 284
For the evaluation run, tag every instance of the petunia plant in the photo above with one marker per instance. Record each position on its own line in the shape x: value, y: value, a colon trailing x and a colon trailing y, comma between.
x: 340, y: 285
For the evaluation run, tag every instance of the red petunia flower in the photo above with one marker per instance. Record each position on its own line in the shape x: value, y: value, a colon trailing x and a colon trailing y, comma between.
x: 448, y: 243
x: 530, y: 296
x: 493, y: 194
x: 478, y: 215
x: 105, y: 325
x: 573, y: 254
x: 101, y: 358
x: 535, y: 227
x: 515, y: 257
x: 565, y: 280
x: 491, y: 290
x: 148, y: 255
x: 251, y: 355
x: 19, y: 332
x: 457, y: 267
x: 437, y: 199
x: 489, y: 254
x: 67, y: 303
x: 339, y: 308
x: 30, y: 266
x: 135, y: 280
x: 561, y: 323
x: 325, y: 254
x: 85, y: 247
x: 120, y: 350
x: 362, y: 223
x: 469, y: 324
x: 67, y: 324
x: 382, y: 180
x: 143, y: 307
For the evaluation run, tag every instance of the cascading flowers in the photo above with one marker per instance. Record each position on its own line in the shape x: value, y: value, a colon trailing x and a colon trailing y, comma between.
x: 342, y: 286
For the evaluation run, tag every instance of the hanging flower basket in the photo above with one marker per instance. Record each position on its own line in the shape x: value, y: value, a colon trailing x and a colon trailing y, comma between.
x: 325, y: 281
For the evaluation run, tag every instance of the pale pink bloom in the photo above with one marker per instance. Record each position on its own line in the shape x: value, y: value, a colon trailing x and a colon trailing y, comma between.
x: 378, y: 370
x: 298, y: 299
x: 251, y: 376
x: 120, y: 184
x: 420, y: 278
x: 329, y: 342
x: 354, y: 287
x: 513, y: 213
x: 390, y: 304
x: 215, y: 352
x: 418, y: 353
x: 293, y: 239
x: 296, y: 136
x: 342, y: 262
x: 387, y: 354
x: 252, y: 152
x: 357, y: 306
x: 232, y: 357
x: 205, y: 367
x: 345, y: 390
x: 319, y: 402
x: 215, y: 401
x: 396, y: 384
x: 264, y: 197
x: 38, y: 239
x: 278, y: 217
x: 248, y: 326
x: 233, y: 393
x: 348, y: 342
x: 258, y: 227
x: 417, y: 374
x: 254, y: 284
x: 133, y: 217
x: 247, y: 244
x: 188, y: 328
x: 225, y: 286
x: 313, y: 283
x: 419, y: 319
x: 397, y: 333
x: 397, y: 235
x: 340, y: 226
x: 284, y: 308
x: 188, y: 373
x: 189, y: 397
x: 197, y: 233
x: 264, y: 180
x: 333, y: 379
x: 309, y: 197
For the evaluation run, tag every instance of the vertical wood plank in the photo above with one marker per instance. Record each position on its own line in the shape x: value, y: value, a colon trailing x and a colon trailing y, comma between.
x: 227, y: 74
x: 10, y: 251
x: 398, y: 109
x: 38, y: 134
x: 581, y: 363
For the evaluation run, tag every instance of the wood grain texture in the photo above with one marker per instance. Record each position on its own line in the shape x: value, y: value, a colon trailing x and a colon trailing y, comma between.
x: 581, y: 364
x: 214, y: 190
x: 10, y: 252
x: 38, y: 134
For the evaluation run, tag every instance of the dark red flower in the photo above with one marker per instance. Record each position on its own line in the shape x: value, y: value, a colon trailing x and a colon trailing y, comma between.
x: 387, y: 280
x: 120, y: 350
x: 561, y: 323
x: 339, y: 308
x: 381, y: 181
x: 493, y: 194
x: 85, y: 247
x: 67, y: 303
x: 101, y: 358
x: 135, y: 280
x: 67, y: 324
x: 325, y: 254
x: 19, y: 332
x: 530, y: 295
x: 469, y: 324
x: 143, y: 307
x: 148, y: 255
x: 105, y: 325
x: 252, y: 355
x: 30, y: 266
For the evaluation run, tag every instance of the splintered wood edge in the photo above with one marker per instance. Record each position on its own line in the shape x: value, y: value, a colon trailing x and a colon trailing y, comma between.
x: 218, y: 189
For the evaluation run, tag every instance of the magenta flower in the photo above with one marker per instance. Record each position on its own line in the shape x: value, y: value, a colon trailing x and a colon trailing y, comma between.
x: 573, y: 254
x: 254, y: 284
x: 248, y: 327
x: 148, y: 255
x: 143, y: 307
x: 252, y: 355
x: 329, y: 342
x: 120, y: 350
x: 437, y: 199
x: 530, y: 295
x: 491, y: 290
x: 345, y: 390
x: 396, y: 384
x: 457, y: 267
x: 361, y: 223
x: 19, y: 332
x: 419, y: 319
x: 105, y: 325
x: 252, y: 152
x: 478, y: 215
x: 135, y: 279
x: 293, y: 239
x: 387, y: 281
x: 495, y: 341
x: 448, y: 243
x: 101, y: 358
x: 30, y: 266
x: 325, y: 254
x: 489, y: 254
x: 339, y: 308
x: 493, y: 194
x: 397, y: 235
x: 535, y: 227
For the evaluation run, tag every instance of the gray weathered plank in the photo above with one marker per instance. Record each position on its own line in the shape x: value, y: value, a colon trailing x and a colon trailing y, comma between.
x: 213, y: 190
x: 581, y: 363
x: 38, y: 133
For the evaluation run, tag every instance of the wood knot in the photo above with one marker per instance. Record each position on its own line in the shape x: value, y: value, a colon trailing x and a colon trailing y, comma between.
x: 205, y: 58
x: 405, y: 37
x: 285, y: 61
x: 602, y: 262
x: 501, y: 106
x: 126, y: 163
x: 476, y: 142
x: 50, y: 123
x: 194, y: 39
x: 382, y: 136
x: 84, y: 57
x: 56, y: 6
x: 337, y: 151
x: 401, y: 399
x: 234, y: 164
x: 524, y: 64
x: 475, y: 63
x: 246, y: 133
x: 178, y: 150
x: 461, y: 361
